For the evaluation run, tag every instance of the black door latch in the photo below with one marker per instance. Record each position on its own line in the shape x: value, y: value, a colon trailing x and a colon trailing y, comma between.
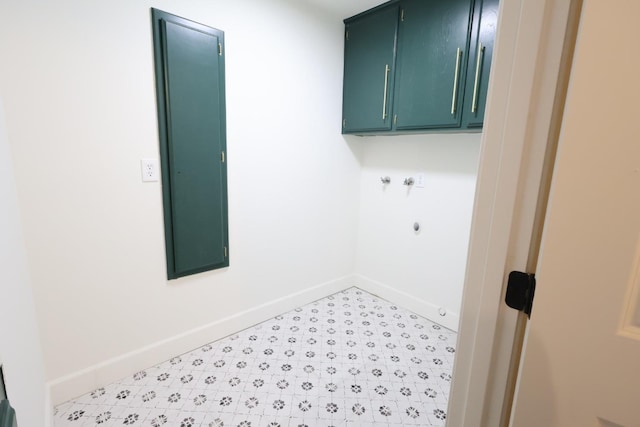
x: 520, y: 290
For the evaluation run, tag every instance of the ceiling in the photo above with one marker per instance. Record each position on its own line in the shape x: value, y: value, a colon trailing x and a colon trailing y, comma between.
x: 345, y: 8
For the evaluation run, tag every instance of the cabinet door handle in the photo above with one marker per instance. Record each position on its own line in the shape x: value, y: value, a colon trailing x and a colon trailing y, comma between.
x: 455, y: 82
x: 384, y: 96
x: 474, y: 103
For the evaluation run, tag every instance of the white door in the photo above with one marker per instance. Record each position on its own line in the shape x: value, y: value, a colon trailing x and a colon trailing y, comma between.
x: 581, y: 360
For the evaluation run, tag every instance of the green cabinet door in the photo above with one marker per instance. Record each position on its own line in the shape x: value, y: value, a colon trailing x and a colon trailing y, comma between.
x: 432, y: 57
x: 191, y: 116
x: 485, y: 20
x: 370, y: 42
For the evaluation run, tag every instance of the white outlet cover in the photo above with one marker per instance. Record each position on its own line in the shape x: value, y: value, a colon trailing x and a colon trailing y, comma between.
x: 420, y: 180
x: 150, y: 169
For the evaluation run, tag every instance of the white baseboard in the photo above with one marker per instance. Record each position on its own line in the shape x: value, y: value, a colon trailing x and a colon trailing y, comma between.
x: 419, y: 306
x: 86, y: 380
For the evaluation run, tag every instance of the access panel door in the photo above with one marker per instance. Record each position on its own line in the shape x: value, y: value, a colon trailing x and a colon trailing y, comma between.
x: 191, y: 110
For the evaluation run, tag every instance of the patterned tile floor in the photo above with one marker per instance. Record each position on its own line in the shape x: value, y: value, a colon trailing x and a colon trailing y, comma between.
x: 350, y: 359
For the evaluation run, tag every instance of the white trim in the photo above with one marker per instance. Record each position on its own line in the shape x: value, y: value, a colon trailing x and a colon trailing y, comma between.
x: 408, y: 301
x: 85, y: 380
x: 523, y: 84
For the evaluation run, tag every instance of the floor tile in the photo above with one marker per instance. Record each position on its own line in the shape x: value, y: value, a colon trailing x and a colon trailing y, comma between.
x: 350, y: 359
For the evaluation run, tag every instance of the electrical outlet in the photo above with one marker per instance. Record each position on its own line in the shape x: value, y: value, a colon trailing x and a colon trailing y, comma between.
x: 420, y: 180
x: 150, y: 170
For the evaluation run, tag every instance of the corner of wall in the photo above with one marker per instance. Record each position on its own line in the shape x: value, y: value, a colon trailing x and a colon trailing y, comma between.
x: 85, y: 380
x: 419, y: 306
x: 48, y: 407
x: 20, y: 347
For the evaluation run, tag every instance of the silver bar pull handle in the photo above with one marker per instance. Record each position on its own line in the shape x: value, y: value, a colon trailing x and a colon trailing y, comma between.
x: 454, y: 98
x: 474, y: 103
x: 384, y: 96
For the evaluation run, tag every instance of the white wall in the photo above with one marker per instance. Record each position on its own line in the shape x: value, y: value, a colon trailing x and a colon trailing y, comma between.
x: 77, y: 78
x: 20, y: 352
x: 423, y: 270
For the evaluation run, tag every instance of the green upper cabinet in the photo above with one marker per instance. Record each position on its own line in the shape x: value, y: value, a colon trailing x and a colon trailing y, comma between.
x: 369, y: 69
x: 442, y: 56
x: 432, y: 57
x: 485, y: 20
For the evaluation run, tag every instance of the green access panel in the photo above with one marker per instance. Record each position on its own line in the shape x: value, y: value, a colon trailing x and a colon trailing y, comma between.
x: 189, y: 63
